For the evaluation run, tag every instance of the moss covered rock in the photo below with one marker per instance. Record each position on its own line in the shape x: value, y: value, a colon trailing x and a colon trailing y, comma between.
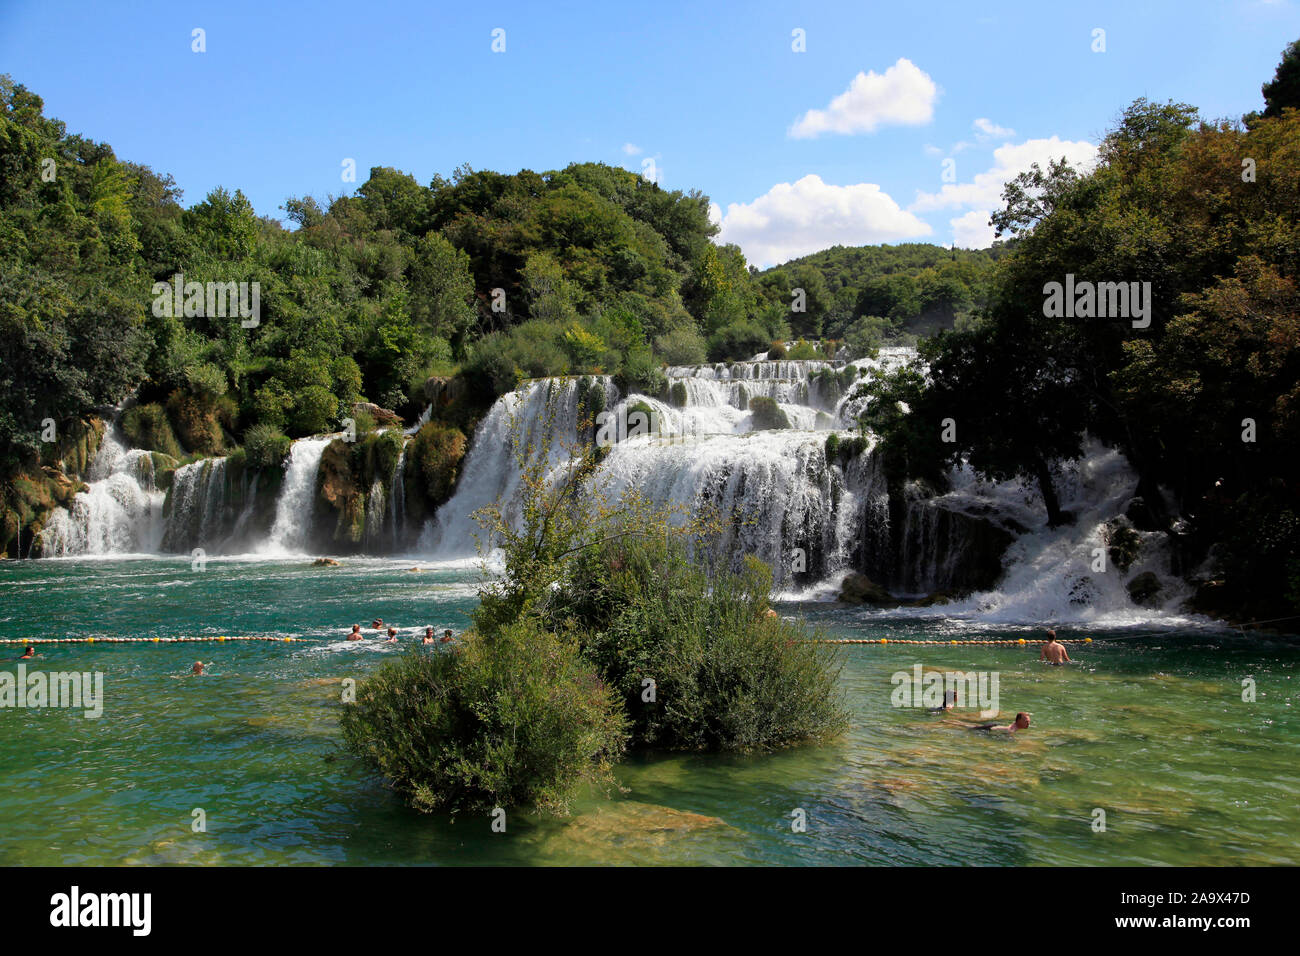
x: 435, y: 459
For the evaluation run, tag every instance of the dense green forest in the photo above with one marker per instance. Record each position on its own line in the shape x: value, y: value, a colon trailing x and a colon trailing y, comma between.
x: 871, y: 294
x: 486, y: 277
x: 1204, y: 400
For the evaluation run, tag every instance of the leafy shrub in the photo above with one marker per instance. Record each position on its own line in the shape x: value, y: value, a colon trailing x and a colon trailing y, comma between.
x: 728, y: 676
x: 206, y: 382
x: 436, y: 454
x: 803, y: 351
x: 314, y: 411
x: 767, y: 413
x: 195, y: 423
x: 640, y: 373
x: 738, y: 341
x: 682, y: 346
x: 147, y: 426
x: 265, y: 446
x: 678, y: 394
x: 777, y: 352
x: 515, y: 718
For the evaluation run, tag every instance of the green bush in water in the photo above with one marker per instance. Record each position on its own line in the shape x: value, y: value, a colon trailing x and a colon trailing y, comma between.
x: 767, y: 413
x: 677, y: 394
x: 265, y: 446
x: 727, y: 675
x: 777, y: 352
x: 512, y: 719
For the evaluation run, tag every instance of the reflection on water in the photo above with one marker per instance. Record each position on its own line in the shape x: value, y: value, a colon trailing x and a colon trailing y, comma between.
x: 1150, y: 729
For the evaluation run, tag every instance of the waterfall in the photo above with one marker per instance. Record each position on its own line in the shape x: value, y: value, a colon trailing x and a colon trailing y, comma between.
x: 294, y: 508
x: 196, y: 508
x: 397, y: 501
x: 120, y: 512
x: 491, y: 473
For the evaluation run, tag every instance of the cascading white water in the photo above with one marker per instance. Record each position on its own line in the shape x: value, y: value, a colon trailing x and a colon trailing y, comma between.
x: 397, y: 502
x: 119, y: 513
x: 294, y: 508
x: 539, y: 410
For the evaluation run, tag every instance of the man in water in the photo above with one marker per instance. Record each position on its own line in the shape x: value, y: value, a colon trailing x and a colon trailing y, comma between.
x: 1020, y: 723
x: 949, y: 702
x: 1054, y: 651
x: 428, y: 636
x: 446, y: 635
x: 356, y: 633
x: 392, y: 636
x: 198, y: 667
x: 28, y: 654
x: 377, y: 624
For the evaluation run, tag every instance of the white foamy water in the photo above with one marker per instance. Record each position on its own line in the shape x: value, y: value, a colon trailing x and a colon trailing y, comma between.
x: 119, y: 513
x: 294, y: 507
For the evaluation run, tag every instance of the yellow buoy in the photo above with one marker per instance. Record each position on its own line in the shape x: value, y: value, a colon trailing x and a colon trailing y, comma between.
x: 90, y: 640
x: 884, y: 640
x: 1087, y: 640
x: 1021, y: 641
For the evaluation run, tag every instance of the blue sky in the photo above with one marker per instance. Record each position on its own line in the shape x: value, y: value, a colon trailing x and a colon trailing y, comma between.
x: 712, y: 93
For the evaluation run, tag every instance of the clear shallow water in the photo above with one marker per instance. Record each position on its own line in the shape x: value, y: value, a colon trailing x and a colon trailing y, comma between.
x: 1151, y: 729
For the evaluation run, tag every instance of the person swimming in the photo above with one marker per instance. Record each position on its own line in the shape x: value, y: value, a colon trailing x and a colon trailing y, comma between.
x: 949, y: 702
x: 377, y: 624
x: 428, y: 636
x: 198, y: 667
x: 356, y: 634
x: 1020, y: 723
x: 1054, y: 651
x: 28, y: 654
x: 392, y: 636
x: 446, y: 635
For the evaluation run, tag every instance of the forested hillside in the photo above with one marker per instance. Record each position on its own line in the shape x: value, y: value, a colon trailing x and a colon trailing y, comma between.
x: 869, y: 294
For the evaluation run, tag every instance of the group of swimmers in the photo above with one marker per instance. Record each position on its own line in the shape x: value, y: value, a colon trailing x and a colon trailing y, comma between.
x: 378, y: 625
x: 1053, y: 652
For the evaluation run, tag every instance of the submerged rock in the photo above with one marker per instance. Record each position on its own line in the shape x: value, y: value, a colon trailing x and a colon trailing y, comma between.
x: 1145, y: 589
x: 860, y: 589
x: 324, y: 563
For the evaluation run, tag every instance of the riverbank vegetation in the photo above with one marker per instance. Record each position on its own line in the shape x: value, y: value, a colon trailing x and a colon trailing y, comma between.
x: 1199, y: 391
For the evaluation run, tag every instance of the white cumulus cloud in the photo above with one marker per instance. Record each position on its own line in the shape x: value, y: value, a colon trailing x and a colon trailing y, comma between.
x: 795, y: 219
x: 972, y: 230
x: 631, y: 149
x: 987, y: 127
x: 902, y: 95
x: 1009, y: 160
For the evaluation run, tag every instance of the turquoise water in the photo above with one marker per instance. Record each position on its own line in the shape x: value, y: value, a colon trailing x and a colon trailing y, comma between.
x: 1151, y: 730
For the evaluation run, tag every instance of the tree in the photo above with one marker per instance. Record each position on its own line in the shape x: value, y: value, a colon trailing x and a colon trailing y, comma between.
x: 1283, y: 91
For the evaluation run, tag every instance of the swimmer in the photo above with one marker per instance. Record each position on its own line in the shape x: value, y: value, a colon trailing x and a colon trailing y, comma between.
x: 198, y: 667
x: 356, y: 634
x: 1020, y: 723
x: 428, y: 636
x: 949, y: 702
x: 28, y: 654
x: 377, y: 624
x: 392, y: 636
x: 446, y: 635
x: 1054, y: 651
